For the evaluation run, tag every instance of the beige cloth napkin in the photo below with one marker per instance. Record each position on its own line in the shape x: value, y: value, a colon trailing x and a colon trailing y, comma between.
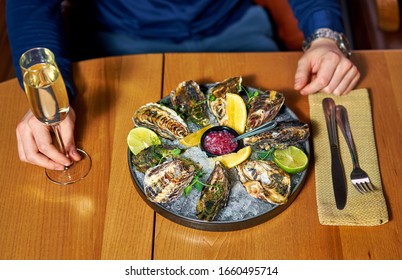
x: 361, y: 209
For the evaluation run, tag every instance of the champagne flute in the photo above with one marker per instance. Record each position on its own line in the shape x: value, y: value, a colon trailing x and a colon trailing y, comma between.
x: 48, y: 99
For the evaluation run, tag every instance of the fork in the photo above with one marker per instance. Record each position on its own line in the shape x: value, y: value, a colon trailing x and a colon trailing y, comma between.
x: 359, y: 177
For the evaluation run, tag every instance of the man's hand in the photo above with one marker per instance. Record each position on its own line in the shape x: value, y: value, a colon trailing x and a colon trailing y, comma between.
x: 35, y: 142
x: 324, y: 68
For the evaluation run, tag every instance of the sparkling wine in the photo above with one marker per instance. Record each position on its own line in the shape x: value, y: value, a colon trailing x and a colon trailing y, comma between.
x: 48, y: 99
x: 46, y: 92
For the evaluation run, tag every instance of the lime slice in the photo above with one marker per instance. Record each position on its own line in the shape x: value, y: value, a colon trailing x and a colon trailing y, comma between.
x: 140, y: 138
x: 194, y: 138
x: 292, y: 159
x: 237, y: 112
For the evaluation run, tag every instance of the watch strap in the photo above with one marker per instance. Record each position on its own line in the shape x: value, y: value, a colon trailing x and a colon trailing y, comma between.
x: 327, y: 33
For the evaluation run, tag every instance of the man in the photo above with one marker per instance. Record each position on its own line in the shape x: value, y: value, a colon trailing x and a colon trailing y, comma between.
x: 145, y: 26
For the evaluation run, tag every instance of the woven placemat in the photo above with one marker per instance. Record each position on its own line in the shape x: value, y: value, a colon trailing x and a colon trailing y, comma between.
x: 361, y: 209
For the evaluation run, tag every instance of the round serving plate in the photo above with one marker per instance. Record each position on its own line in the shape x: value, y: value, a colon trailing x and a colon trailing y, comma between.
x: 242, y: 210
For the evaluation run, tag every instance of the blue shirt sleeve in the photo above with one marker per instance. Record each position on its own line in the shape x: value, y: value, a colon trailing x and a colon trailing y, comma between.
x: 315, y: 14
x: 38, y: 23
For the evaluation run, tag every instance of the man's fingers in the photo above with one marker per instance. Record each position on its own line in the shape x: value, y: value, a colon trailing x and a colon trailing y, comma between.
x: 67, y: 132
x: 44, y: 143
x: 348, y: 83
x: 324, y: 75
x: 35, y: 144
x: 29, y: 152
x: 302, y: 74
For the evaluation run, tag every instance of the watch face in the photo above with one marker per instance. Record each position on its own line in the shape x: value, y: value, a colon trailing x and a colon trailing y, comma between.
x: 344, y: 45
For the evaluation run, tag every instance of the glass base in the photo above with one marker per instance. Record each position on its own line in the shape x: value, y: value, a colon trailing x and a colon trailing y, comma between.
x: 73, y: 173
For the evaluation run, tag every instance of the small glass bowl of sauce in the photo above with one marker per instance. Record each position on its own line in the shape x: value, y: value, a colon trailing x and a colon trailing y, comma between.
x: 217, y: 141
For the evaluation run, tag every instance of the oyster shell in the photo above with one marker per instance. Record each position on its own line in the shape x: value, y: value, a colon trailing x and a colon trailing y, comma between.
x: 214, y: 194
x: 153, y: 155
x: 217, y: 97
x: 265, y: 180
x: 163, y: 120
x: 165, y: 182
x: 189, y: 101
x: 285, y: 134
x: 264, y: 108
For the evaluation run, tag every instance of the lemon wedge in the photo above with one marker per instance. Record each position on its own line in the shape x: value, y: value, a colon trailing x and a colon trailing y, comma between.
x: 140, y: 138
x: 233, y: 159
x: 292, y: 159
x: 236, y: 112
x: 193, y: 139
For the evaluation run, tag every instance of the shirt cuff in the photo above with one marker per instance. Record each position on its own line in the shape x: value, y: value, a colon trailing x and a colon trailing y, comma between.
x: 323, y: 19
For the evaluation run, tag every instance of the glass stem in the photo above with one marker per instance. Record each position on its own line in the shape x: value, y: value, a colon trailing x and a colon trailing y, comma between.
x: 56, y: 130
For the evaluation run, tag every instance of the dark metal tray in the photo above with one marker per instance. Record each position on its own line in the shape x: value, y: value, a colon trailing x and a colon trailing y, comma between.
x: 241, y: 215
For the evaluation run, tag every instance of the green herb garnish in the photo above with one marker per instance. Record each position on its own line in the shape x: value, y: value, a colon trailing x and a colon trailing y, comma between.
x: 173, y: 152
x: 265, y: 155
x: 196, y: 183
x: 250, y: 95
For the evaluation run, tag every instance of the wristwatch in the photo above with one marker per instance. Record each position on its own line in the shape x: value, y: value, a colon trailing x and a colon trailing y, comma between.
x: 339, y: 38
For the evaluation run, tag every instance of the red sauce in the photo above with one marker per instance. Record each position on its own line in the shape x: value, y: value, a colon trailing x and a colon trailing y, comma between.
x: 219, y: 143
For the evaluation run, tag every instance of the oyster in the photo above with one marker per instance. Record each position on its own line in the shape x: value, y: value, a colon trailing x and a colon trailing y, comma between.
x: 264, y: 108
x: 163, y: 120
x: 285, y: 134
x: 217, y: 97
x: 154, y: 155
x: 189, y: 101
x: 265, y: 180
x: 214, y: 194
x: 165, y: 182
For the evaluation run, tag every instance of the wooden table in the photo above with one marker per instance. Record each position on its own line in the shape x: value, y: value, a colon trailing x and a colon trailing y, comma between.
x: 103, y: 216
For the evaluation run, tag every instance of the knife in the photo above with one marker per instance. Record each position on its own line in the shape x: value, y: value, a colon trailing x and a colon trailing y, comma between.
x: 338, y: 173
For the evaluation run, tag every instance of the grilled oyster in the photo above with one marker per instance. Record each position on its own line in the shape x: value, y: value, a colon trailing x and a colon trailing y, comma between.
x: 264, y: 180
x: 189, y: 101
x: 285, y: 134
x: 214, y: 194
x: 217, y: 97
x: 264, y: 108
x: 153, y: 155
x: 163, y: 120
x: 165, y: 182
